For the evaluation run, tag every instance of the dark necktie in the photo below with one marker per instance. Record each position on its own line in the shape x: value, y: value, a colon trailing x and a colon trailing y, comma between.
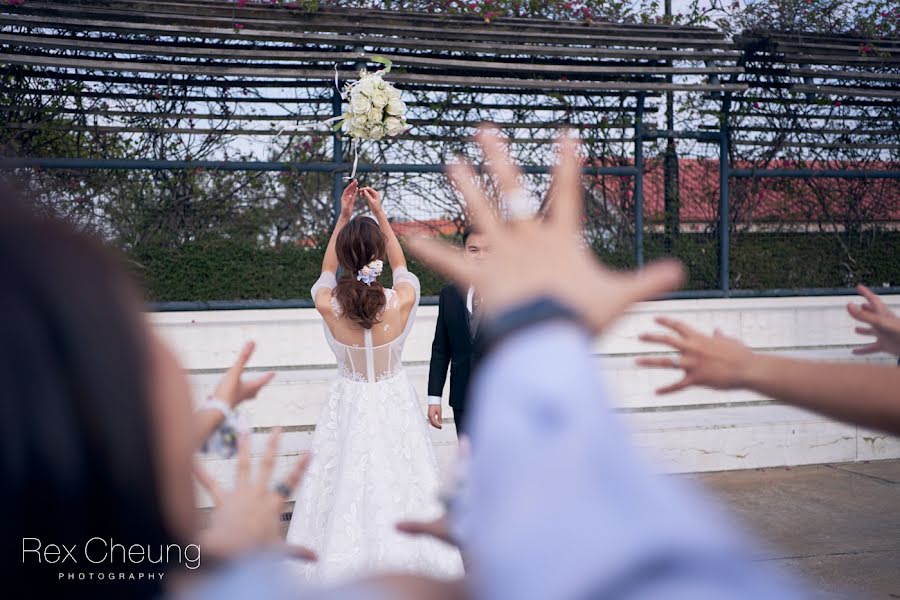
x: 475, y: 317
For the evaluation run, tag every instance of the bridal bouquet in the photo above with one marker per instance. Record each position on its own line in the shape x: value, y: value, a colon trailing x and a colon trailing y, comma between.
x: 376, y: 109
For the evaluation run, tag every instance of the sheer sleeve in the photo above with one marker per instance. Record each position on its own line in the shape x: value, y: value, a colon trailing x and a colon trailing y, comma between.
x: 402, y: 275
x: 326, y: 280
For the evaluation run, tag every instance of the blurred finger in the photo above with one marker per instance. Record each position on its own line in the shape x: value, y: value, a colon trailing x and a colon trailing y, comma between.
x: 252, y: 387
x: 243, y: 466
x: 268, y: 459
x: 299, y: 552
x: 665, y: 340
x: 872, y: 297
x: 443, y: 258
x: 499, y: 164
x: 867, y: 349
x: 464, y: 178
x: 652, y: 281
x: 679, y: 327
x: 675, y: 387
x: 658, y: 363
x: 865, y: 331
x: 244, y: 356
x: 208, y: 483
x: 866, y: 316
x: 437, y: 529
x: 567, y: 204
x: 296, y: 475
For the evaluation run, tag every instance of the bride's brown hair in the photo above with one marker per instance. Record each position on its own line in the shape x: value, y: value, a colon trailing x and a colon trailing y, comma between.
x: 359, y: 243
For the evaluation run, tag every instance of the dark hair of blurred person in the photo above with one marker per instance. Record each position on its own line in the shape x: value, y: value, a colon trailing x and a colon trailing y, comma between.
x: 76, y: 429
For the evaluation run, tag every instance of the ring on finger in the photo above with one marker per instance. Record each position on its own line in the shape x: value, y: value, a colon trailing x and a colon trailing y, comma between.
x: 518, y: 205
x: 283, y: 489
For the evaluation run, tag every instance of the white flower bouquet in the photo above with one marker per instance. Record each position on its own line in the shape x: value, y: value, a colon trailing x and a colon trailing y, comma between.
x: 376, y: 109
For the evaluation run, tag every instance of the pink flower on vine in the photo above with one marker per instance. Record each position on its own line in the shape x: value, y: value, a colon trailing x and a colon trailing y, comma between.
x: 238, y: 26
x: 242, y: 3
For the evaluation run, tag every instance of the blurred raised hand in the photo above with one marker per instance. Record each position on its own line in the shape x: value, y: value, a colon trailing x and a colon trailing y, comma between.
x: 714, y: 361
x: 533, y: 257
x: 232, y: 388
x: 247, y: 518
x: 882, y: 323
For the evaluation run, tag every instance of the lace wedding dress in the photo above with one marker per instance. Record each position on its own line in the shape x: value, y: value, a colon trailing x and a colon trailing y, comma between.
x: 373, y: 465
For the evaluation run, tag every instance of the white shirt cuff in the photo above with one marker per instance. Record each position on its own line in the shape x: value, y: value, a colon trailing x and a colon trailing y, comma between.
x: 432, y: 400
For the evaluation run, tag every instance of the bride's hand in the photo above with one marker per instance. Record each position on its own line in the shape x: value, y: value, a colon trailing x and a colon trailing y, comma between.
x: 373, y: 198
x: 348, y: 199
x: 533, y: 258
x: 248, y: 517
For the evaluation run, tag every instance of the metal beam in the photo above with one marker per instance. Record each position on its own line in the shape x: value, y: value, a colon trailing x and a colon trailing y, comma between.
x: 639, y: 182
x: 818, y: 173
x: 313, y: 167
x: 199, y: 305
x: 724, y: 206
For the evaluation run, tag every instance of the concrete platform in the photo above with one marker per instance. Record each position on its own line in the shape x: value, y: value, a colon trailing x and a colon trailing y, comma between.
x: 836, y: 525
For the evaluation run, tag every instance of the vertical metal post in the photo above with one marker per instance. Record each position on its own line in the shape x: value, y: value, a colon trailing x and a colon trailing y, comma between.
x: 337, y: 157
x: 724, y: 217
x: 639, y: 182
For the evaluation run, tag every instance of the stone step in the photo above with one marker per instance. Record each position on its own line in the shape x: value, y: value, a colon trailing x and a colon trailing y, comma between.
x: 675, y: 441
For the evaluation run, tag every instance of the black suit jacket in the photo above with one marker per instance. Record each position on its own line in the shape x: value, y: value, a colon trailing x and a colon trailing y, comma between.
x: 453, y: 348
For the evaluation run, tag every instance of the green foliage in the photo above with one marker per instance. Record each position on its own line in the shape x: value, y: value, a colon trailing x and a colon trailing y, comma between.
x: 222, y: 269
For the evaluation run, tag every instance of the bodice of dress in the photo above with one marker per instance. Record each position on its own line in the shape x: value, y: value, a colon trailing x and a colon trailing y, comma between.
x: 368, y: 362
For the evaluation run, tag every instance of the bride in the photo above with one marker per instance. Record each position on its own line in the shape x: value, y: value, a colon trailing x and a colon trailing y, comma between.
x: 373, y: 462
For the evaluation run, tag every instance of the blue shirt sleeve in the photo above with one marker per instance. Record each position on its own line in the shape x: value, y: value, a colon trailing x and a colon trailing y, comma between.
x: 558, y: 504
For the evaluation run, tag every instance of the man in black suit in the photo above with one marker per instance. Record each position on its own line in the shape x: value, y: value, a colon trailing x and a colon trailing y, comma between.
x: 454, y: 341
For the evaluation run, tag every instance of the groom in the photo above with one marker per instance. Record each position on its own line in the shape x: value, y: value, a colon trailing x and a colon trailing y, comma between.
x: 454, y: 337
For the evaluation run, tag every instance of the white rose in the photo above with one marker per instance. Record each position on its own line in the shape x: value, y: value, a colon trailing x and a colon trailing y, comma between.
x: 394, y: 126
x: 392, y: 92
x: 359, y: 122
x: 374, y: 115
x: 379, y: 99
x: 376, y: 131
x: 359, y: 132
x: 359, y: 104
x: 366, y: 86
x: 396, y: 107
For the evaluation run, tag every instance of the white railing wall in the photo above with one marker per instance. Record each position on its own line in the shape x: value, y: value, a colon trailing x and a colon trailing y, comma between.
x: 696, y: 430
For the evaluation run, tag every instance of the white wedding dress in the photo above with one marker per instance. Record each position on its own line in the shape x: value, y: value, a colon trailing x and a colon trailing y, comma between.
x: 373, y: 465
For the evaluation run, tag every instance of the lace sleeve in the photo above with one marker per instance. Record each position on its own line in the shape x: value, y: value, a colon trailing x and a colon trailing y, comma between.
x: 402, y: 275
x: 326, y: 280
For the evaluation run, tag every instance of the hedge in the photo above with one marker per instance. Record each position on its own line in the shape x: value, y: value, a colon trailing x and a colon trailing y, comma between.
x: 229, y: 270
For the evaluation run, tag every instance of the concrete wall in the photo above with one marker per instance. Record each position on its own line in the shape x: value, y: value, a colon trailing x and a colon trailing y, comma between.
x: 696, y: 430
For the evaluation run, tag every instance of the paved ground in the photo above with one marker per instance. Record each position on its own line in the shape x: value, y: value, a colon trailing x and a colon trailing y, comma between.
x: 837, y: 525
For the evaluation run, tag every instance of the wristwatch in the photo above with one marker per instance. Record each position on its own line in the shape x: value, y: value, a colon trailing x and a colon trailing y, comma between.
x: 523, y: 316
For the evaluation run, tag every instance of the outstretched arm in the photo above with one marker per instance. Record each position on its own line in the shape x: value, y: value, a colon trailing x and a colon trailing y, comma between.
x: 864, y: 394
x: 330, y: 262
x: 394, y: 251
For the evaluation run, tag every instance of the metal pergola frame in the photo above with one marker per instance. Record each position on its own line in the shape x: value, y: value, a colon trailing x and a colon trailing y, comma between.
x: 775, y: 48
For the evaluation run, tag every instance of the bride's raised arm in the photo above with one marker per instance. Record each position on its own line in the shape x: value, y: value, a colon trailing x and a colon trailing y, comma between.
x: 394, y: 251
x: 348, y: 198
x: 321, y: 290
